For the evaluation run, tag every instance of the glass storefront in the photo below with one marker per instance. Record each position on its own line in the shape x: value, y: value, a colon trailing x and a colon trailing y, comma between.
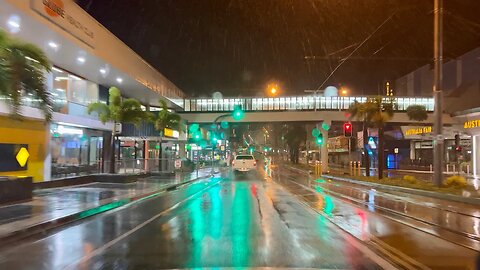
x: 75, y: 150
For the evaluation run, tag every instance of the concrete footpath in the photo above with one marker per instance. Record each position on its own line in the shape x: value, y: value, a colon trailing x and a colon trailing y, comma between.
x: 51, y: 208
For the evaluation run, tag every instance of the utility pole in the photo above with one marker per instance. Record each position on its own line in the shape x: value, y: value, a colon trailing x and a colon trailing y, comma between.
x: 438, y: 149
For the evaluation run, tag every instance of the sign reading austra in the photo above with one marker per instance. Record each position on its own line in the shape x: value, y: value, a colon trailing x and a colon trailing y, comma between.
x: 68, y: 16
x: 419, y: 130
x: 471, y: 124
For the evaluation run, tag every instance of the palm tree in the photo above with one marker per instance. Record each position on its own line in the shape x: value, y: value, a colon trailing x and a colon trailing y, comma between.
x: 375, y: 112
x: 295, y: 136
x: 117, y: 111
x: 165, y: 119
x: 22, y: 69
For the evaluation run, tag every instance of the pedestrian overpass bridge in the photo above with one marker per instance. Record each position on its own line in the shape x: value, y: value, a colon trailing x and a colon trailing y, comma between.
x: 295, y: 108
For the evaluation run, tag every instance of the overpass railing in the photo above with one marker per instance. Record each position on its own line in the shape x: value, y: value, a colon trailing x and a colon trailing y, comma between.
x: 298, y: 103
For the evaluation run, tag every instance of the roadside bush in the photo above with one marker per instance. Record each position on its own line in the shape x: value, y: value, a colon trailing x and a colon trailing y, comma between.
x: 455, y: 181
x: 410, y: 179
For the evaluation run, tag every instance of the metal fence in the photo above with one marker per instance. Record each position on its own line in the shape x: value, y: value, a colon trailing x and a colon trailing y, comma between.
x: 166, y: 165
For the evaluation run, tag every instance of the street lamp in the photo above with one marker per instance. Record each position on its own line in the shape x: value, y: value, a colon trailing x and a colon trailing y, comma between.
x: 273, y: 89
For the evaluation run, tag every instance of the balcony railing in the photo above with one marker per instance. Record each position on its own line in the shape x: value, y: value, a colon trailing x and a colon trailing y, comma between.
x: 299, y: 103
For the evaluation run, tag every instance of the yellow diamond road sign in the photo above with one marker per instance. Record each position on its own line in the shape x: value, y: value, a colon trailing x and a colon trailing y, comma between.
x: 22, y: 156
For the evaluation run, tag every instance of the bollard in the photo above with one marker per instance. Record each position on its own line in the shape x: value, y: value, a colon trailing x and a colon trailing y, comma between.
x: 447, y: 168
x: 431, y: 167
x: 468, y: 168
x: 359, y: 169
x: 453, y: 166
x: 351, y: 168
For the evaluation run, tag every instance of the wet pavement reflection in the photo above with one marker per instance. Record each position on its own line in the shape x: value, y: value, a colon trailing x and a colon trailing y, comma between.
x: 412, y: 235
x: 246, y: 222
x: 50, y: 204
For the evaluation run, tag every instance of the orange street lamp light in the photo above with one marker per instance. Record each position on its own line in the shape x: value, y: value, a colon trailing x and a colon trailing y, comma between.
x: 273, y: 89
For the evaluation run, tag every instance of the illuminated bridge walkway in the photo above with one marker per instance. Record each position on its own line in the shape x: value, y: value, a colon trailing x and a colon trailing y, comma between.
x: 297, y: 108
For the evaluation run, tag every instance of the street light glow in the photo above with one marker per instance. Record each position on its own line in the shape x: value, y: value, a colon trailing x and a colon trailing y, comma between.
x: 272, y: 89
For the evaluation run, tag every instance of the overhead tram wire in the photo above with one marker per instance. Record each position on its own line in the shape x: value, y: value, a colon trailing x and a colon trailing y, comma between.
x: 356, y: 49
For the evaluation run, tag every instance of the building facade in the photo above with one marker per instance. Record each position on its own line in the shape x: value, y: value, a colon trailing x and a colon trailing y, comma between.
x: 461, y: 100
x: 87, y: 59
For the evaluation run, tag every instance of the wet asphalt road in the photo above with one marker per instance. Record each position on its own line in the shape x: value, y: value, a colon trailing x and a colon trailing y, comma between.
x: 270, y: 218
x: 244, y: 221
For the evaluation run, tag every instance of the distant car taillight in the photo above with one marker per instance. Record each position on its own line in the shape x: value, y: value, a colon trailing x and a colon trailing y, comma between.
x: 254, y: 163
x: 233, y: 163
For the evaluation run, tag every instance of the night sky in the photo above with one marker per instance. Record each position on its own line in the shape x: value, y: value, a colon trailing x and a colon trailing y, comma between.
x: 238, y: 46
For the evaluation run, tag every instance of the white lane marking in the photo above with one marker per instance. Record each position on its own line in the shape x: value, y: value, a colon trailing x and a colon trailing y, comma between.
x: 101, y: 249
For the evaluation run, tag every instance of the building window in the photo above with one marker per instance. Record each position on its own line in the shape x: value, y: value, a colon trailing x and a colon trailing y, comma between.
x: 67, y: 87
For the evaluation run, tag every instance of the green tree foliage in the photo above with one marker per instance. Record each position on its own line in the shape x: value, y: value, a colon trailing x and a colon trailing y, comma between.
x: 22, y: 73
x: 295, y: 135
x: 166, y: 119
x: 374, y: 112
x: 417, y: 112
x: 118, y: 110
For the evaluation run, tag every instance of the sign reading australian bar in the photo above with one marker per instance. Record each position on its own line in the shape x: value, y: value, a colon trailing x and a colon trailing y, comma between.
x: 68, y: 16
x: 416, y: 132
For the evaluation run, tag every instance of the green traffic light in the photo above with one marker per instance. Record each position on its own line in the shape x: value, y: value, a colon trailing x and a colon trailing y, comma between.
x: 237, y: 113
x: 320, y: 140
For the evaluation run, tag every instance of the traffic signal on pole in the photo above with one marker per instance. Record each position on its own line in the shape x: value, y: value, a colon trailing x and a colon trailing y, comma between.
x: 347, y: 129
x: 237, y: 113
x: 320, y: 139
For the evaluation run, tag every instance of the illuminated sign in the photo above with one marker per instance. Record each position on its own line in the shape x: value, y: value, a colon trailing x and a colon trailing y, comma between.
x: 171, y: 133
x: 471, y: 124
x: 13, y: 157
x: 22, y: 157
x: 67, y: 16
x: 54, y: 8
x: 419, y: 130
x: 69, y: 130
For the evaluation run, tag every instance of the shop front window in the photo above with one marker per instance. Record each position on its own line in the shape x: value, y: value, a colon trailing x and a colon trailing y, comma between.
x: 75, y: 150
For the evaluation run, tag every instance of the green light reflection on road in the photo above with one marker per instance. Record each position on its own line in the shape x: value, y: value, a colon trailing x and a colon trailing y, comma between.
x: 241, y: 225
x: 328, y: 202
x: 197, y: 230
x: 215, y: 216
